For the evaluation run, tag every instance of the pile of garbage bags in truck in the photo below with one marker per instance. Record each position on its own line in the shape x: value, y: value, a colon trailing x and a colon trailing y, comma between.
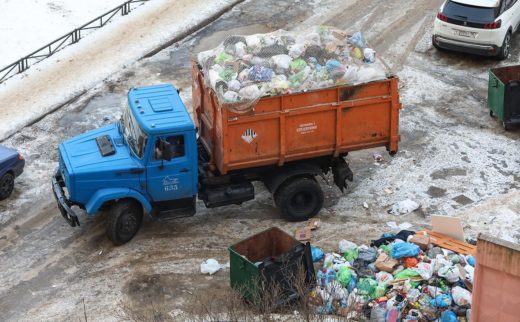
x: 399, y: 277
x: 243, y: 69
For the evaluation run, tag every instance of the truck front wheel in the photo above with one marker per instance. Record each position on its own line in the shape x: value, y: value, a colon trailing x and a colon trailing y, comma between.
x: 124, y: 221
x: 299, y: 199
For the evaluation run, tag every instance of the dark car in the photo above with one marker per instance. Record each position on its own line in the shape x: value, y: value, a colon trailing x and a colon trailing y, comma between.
x: 11, y: 166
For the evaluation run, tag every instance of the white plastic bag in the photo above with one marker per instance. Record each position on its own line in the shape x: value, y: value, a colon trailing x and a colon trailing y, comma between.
x: 345, y: 245
x: 250, y: 92
x: 384, y: 277
x: 425, y: 269
x: 240, y: 49
x: 337, y: 291
x: 450, y: 273
x: 369, y: 55
x: 461, y: 296
x: 405, y: 206
x: 282, y: 61
x: 211, y: 266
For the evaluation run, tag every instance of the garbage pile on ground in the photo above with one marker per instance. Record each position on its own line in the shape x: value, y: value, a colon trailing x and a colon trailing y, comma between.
x: 399, y: 277
x: 243, y: 69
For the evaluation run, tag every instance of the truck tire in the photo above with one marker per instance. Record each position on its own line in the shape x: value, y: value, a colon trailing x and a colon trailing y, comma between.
x: 6, y: 185
x: 299, y: 199
x: 124, y: 221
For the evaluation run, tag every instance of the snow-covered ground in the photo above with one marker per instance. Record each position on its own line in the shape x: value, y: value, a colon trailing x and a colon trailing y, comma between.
x: 26, y: 25
x: 454, y: 160
x: 68, y: 73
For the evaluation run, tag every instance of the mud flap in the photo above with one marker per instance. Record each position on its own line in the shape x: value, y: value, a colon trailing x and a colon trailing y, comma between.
x: 342, y: 173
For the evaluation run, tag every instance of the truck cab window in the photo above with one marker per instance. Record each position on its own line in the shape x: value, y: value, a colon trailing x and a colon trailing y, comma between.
x: 176, y: 146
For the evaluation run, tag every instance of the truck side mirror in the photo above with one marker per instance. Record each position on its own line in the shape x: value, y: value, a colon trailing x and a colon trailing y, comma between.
x: 166, y: 149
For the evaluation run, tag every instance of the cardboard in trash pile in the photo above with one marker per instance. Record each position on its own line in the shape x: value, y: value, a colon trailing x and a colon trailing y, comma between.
x: 452, y: 244
x: 386, y: 263
x: 449, y: 226
x: 423, y: 241
x: 313, y: 223
x: 303, y: 234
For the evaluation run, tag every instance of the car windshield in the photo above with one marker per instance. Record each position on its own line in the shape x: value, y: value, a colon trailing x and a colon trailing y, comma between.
x: 133, y: 134
x: 466, y: 12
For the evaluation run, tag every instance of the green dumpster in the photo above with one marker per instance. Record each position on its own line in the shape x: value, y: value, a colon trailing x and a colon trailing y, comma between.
x: 504, y: 95
x: 268, y: 260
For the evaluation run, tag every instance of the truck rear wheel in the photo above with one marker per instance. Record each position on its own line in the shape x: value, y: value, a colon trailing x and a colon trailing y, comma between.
x: 124, y: 221
x: 299, y: 199
x: 6, y: 185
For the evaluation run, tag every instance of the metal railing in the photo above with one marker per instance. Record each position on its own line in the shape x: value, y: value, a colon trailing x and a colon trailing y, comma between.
x: 70, y: 38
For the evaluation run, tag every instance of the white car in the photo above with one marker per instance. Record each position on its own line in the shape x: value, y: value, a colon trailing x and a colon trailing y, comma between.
x: 481, y: 27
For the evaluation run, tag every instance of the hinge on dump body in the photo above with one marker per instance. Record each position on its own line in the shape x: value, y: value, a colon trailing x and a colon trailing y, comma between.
x: 342, y: 173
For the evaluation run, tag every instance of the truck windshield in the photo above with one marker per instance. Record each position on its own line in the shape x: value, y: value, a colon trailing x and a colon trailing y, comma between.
x: 133, y: 134
x: 466, y: 12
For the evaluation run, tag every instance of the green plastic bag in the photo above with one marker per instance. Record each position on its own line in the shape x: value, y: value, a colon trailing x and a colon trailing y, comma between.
x: 228, y: 74
x: 298, y: 65
x: 385, y: 248
x: 367, y: 286
x: 407, y: 273
x: 379, y: 291
x: 344, y: 275
x: 223, y: 57
x: 351, y: 255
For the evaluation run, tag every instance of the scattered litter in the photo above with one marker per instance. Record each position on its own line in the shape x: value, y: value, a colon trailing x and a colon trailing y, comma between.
x: 389, y: 191
x: 303, y: 234
x: 378, y: 157
x: 313, y: 223
x: 402, y: 226
x: 403, y: 207
x: 210, y: 266
x: 365, y: 205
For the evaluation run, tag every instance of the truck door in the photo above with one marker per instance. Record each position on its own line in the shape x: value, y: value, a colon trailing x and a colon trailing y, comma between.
x: 170, y: 180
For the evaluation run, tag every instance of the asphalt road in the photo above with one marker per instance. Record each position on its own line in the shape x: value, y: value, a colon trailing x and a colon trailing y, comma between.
x: 452, y: 156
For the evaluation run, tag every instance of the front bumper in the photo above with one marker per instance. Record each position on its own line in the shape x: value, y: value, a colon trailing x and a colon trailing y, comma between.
x: 18, y: 168
x: 63, y: 203
x: 465, y: 47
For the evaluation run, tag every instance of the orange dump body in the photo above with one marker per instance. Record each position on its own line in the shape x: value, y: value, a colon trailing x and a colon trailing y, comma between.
x: 292, y: 127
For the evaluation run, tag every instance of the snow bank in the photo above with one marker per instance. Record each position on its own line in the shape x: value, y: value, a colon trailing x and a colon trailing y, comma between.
x: 29, y: 24
x: 49, y: 84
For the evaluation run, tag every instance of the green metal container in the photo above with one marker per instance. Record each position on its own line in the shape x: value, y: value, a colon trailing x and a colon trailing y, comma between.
x: 266, y: 259
x: 504, y: 95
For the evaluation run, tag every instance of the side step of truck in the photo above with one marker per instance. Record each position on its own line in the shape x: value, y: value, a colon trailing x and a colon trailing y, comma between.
x: 174, y: 209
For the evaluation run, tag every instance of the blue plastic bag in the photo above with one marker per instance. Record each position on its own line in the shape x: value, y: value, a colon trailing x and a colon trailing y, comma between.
x: 441, y: 301
x: 449, y: 316
x: 352, y: 284
x: 401, y: 250
x: 358, y: 40
x: 317, y: 254
x: 471, y: 260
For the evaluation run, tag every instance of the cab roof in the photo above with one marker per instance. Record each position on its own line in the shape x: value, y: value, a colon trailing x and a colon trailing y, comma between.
x: 159, y: 109
x: 480, y: 3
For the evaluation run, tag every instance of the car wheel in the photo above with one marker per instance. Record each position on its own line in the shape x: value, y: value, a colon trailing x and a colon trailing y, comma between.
x: 299, y: 199
x: 503, y: 53
x: 6, y: 186
x: 124, y: 221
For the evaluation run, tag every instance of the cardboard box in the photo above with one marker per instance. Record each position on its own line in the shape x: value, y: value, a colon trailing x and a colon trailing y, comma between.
x: 303, y: 234
x: 385, y: 263
x: 423, y: 241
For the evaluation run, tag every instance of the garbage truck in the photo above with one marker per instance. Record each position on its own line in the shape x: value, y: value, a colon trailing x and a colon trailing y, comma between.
x: 159, y: 160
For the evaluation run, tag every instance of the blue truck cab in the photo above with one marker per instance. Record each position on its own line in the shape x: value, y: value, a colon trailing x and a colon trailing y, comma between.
x: 146, y: 161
